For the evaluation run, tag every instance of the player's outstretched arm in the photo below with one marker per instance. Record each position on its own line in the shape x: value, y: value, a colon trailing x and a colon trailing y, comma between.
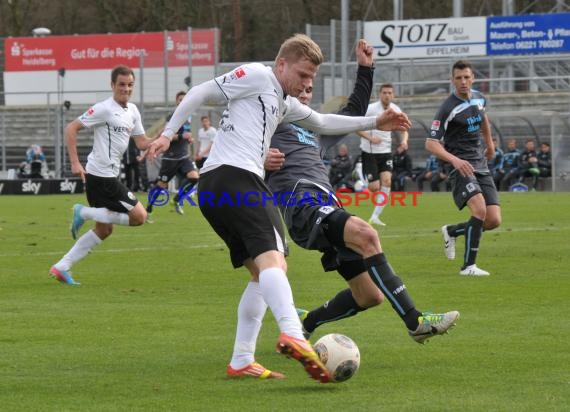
x: 196, y: 96
x: 391, y: 120
x: 158, y: 146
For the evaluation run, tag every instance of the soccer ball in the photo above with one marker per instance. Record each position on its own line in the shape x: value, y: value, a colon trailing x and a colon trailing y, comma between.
x: 339, y: 354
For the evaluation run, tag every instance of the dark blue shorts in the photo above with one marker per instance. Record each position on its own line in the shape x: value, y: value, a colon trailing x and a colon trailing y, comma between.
x: 464, y: 188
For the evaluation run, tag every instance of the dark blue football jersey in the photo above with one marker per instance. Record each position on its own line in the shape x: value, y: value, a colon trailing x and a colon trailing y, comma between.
x: 457, y: 124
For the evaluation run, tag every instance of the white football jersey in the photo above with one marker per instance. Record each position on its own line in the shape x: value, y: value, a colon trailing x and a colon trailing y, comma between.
x: 206, y: 138
x: 113, y: 126
x: 385, y: 146
x: 255, y: 106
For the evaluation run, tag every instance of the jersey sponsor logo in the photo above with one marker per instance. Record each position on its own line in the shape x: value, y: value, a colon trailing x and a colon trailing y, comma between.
x: 305, y: 136
x: 474, y: 123
x: 225, y: 124
x: 121, y: 129
x: 435, y: 125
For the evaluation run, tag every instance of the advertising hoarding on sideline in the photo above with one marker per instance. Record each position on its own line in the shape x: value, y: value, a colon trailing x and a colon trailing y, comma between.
x: 399, y: 39
x: 534, y: 34
x: 44, y: 70
x: 102, y: 51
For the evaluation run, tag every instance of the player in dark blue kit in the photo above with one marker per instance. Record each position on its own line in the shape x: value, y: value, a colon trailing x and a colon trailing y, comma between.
x: 349, y: 245
x: 176, y: 161
x: 461, y: 135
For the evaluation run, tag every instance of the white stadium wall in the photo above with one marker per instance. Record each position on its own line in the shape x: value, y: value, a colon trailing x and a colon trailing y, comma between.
x: 88, y: 86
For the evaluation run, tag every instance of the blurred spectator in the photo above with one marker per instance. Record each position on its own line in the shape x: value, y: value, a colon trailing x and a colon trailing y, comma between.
x: 341, y: 168
x: 432, y: 173
x: 35, y: 165
x: 544, y: 163
x: 496, y: 163
x: 131, y: 167
x: 506, y: 173
x: 445, y: 170
x: 402, y: 163
x: 527, y: 162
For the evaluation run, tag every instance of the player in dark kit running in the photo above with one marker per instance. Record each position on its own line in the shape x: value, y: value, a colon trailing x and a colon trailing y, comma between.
x: 349, y: 244
x: 455, y: 138
x: 176, y: 161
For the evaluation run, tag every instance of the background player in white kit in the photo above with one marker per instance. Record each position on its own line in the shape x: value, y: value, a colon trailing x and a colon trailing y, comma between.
x: 258, y: 98
x: 376, y: 146
x: 206, y: 136
x: 114, y: 120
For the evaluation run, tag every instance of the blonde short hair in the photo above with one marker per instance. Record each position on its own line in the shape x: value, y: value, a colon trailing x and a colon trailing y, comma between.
x: 299, y: 47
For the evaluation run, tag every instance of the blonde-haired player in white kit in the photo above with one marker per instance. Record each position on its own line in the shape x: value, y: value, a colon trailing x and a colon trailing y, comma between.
x: 376, y: 146
x: 115, y: 121
x: 258, y: 98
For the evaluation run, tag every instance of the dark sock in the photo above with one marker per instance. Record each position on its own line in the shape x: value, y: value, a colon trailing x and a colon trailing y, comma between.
x: 151, y: 201
x: 393, y: 288
x: 473, y: 233
x: 185, y: 187
x: 456, y: 230
x: 341, y: 306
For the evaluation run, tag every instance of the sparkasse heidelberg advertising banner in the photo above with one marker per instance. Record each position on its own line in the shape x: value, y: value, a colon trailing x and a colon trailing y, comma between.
x: 398, y: 39
x: 102, y: 51
x: 44, y: 70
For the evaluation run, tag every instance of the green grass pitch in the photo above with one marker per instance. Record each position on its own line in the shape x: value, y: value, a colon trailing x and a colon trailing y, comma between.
x: 151, y: 327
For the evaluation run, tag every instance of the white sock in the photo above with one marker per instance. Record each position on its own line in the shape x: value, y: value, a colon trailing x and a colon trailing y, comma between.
x: 104, y: 215
x: 80, y: 249
x: 278, y: 295
x: 251, y: 310
x: 384, y: 199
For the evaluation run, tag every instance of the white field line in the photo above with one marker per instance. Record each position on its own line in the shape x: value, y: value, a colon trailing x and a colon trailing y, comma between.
x: 120, y: 250
x: 216, y: 245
